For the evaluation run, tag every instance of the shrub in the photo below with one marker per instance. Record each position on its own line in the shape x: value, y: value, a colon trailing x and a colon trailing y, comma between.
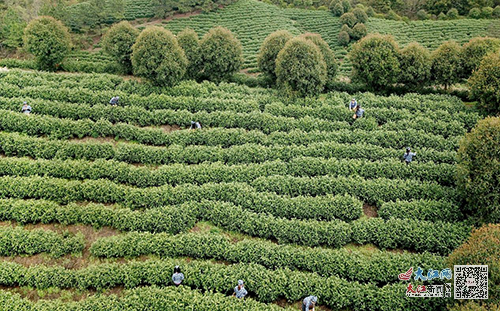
x: 422, y: 15
x: 337, y: 9
x: 474, y: 51
x: 415, y: 61
x: 349, y: 19
x: 475, y: 13
x: 301, y: 68
x: 441, y: 16
x: 118, y: 42
x: 496, y: 12
x: 375, y: 61
x: 221, y: 54
x: 393, y: 16
x: 484, y: 84
x: 482, y: 249
x: 346, y: 29
x: 452, y: 13
x: 477, y: 170
x: 328, y: 56
x: 486, y: 12
x: 343, y: 38
x: 158, y: 57
x: 347, y: 5
x: 359, y: 31
x: 360, y: 15
x: 189, y: 42
x: 446, y: 64
x: 12, y: 27
x: 272, y: 45
x: 370, y: 12
x: 48, y: 40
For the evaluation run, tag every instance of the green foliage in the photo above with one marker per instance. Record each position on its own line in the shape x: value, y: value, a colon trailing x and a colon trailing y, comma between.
x: 301, y: 68
x: 48, y: 40
x: 189, y: 42
x: 422, y: 15
x: 482, y: 249
x: 118, y: 42
x: 484, y: 84
x: 415, y: 62
x: 360, y: 14
x: 496, y: 12
x: 158, y: 57
x: 344, y: 38
x: 221, y: 54
x: 349, y: 19
x: 391, y: 15
x: 478, y: 162
x: 359, y: 31
x: 452, y: 13
x: 475, y: 13
x: 446, y: 64
x: 375, y: 61
x: 12, y: 28
x: 272, y: 45
x: 486, y: 12
x: 370, y: 12
x: 474, y: 51
x: 328, y: 56
x: 337, y: 9
x: 347, y: 5
x: 421, y: 209
x: 442, y: 16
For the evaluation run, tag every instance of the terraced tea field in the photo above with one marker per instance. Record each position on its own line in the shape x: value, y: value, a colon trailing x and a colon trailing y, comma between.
x: 99, y: 203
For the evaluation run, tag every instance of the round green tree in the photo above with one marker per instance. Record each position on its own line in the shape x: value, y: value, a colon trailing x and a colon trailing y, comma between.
x: 118, y: 43
x: 48, y: 40
x: 474, y: 51
x: 360, y: 15
x: 344, y: 38
x: 375, y: 61
x: 328, y: 56
x: 222, y: 54
x: 300, y: 68
x: 478, y: 165
x: 415, y: 62
x: 446, y: 64
x: 475, y: 13
x: 157, y: 56
x: 452, y: 13
x: 359, y: 31
x: 349, y: 19
x: 190, y: 43
x: 272, y: 45
x: 484, y: 84
x: 337, y: 9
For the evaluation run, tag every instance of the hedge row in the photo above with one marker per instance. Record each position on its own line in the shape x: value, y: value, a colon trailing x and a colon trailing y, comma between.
x: 13, y: 144
x: 64, y: 128
x: 18, y: 241
x: 263, y: 284
x: 217, y: 172
x: 372, y: 191
x: 166, y: 219
x: 149, y: 298
x: 378, y: 267
x: 103, y: 191
x: 421, y: 209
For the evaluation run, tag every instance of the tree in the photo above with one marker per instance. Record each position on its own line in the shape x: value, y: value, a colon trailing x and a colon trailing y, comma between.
x: 375, y: 60
x: 486, y: 12
x: 347, y: 5
x: 189, y: 42
x: 349, y: 19
x: 359, y: 31
x: 360, y: 15
x: 415, y: 61
x: 328, y: 56
x: 478, y: 164
x: 475, y: 13
x: 337, y: 9
x: 157, y: 56
x: 474, y: 51
x: 344, y: 38
x: 48, y: 40
x: 446, y: 65
x: 118, y: 43
x: 481, y: 248
x: 422, y: 15
x: 452, y: 13
x: 300, y: 68
x: 484, y: 84
x: 272, y: 45
x: 12, y: 27
x: 222, y: 54
x: 496, y: 12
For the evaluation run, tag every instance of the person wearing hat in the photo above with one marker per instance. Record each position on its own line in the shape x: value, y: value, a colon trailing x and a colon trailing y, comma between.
x: 359, y: 112
x: 353, y: 104
x: 26, y: 108
x: 114, y: 100
x: 240, y: 291
x: 309, y: 303
x: 178, y: 276
x: 408, y: 156
x: 195, y: 125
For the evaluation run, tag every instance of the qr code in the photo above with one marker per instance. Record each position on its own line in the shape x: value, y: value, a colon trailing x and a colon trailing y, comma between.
x: 471, y: 282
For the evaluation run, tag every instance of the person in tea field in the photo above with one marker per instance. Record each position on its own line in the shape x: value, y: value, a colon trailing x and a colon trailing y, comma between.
x: 359, y: 112
x: 178, y: 276
x: 408, y: 156
x: 26, y: 108
x: 309, y: 303
x: 240, y: 291
x: 114, y: 100
x: 353, y: 105
x: 195, y: 125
